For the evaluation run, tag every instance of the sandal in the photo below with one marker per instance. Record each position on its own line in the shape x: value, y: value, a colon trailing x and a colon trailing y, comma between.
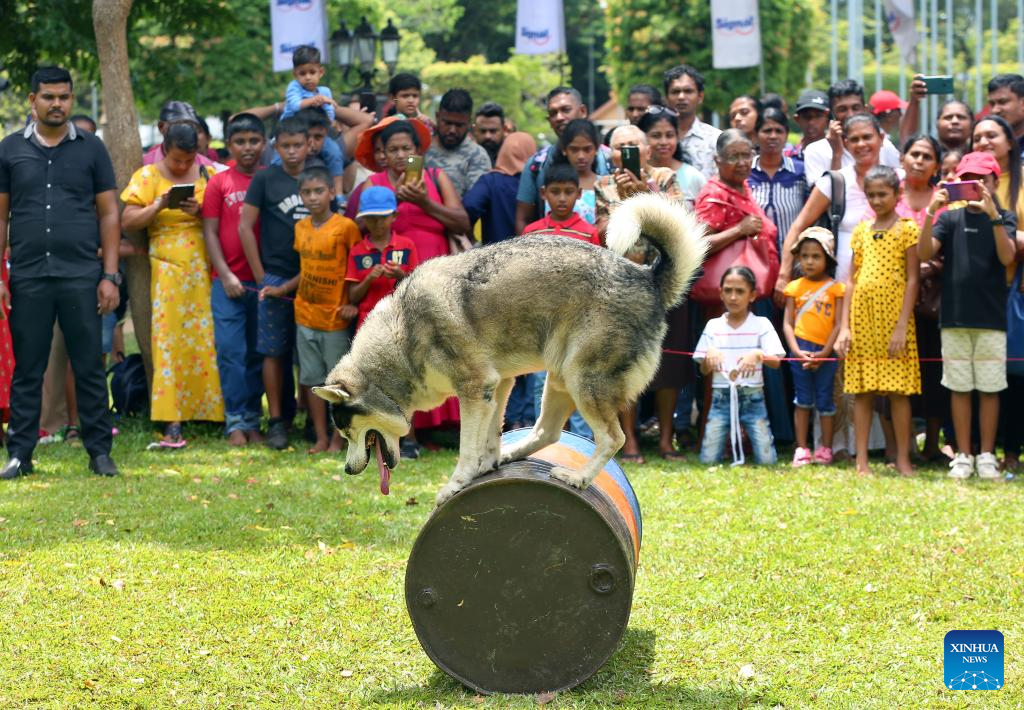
x: 173, y: 438
x: 638, y: 459
x: 71, y: 433
x: 672, y: 455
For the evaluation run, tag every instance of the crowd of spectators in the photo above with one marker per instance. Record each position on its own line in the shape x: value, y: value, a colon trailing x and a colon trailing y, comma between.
x: 840, y: 257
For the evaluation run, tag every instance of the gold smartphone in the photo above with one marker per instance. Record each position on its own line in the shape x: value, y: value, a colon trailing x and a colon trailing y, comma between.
x: 413, y: 169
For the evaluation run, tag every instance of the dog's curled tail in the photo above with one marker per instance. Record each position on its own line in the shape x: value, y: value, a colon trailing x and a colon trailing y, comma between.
x: 675, y: 232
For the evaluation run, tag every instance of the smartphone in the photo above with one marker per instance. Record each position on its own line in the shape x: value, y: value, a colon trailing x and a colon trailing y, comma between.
x: 938, y: 84
x: 180, y: 193
x: 413, y: 169
x: 368, y: 101
x: 631, y: 159
x: 969, y: 190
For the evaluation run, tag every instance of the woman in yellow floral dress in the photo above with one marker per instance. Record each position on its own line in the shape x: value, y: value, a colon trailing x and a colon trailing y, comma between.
x: 186, y: 384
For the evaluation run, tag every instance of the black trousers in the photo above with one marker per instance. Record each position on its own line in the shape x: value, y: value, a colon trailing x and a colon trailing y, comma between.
x: 35, y: 303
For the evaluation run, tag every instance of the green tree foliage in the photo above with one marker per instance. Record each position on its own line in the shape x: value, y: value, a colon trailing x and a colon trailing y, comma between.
x: 519, y: 85
x: 646, y: 37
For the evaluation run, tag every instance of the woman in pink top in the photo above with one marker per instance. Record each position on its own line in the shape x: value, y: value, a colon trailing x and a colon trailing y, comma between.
x: 923, y: 166
x: 429, y: 208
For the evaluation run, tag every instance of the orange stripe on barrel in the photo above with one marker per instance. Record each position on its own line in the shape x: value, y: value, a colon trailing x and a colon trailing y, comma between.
x: 561, y: 455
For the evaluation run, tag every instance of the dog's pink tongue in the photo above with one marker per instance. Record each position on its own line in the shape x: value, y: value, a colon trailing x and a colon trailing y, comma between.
x: 385, y: 472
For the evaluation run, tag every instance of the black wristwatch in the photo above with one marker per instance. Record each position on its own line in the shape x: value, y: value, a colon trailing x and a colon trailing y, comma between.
x: 114, y: 278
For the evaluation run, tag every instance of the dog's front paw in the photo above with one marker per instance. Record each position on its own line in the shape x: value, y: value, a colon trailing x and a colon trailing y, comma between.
x: 446, y: 493
x: 568, y: 475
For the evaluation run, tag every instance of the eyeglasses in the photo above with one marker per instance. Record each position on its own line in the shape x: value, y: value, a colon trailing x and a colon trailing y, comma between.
x: 737, y: 158
x: 656, y: 110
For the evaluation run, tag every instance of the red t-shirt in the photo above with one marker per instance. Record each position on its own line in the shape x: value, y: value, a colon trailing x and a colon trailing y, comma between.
x: 575, y: 227
x: 225, y: 195
x: 364, y: 256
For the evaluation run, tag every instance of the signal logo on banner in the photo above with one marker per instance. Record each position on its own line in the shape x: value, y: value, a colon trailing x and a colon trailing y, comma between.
x: 735, y: 33
x: 540, y: 27
x: 294, y: 23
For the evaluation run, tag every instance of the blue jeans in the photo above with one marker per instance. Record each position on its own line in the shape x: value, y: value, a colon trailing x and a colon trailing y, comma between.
x: 577, y: 425
x: 240, y: 365
x: 813, y: 388
x: 520, y: 408
x: 753, y: 416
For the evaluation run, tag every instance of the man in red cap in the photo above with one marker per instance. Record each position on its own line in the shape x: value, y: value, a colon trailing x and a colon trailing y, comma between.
x: 888, y: 108
x: 976, y: 246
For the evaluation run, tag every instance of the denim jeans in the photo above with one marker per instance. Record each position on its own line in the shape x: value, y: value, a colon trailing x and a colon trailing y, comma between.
x: 753, y: 417
x: 520, y: 406
x: 239, y: 363
x: 577, y: 425
x: 813, y: 388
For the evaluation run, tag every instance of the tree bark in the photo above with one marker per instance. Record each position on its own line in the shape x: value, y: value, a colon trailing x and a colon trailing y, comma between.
x: 110, y: 23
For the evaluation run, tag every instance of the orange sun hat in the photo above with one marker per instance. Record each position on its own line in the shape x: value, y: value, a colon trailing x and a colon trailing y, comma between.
x: 364, y: 147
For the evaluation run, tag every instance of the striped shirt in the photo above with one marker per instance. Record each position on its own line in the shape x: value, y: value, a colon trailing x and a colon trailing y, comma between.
x: 782, y: 195
x: 756, y: 333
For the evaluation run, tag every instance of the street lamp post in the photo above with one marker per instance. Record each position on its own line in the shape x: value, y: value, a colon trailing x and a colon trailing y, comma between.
x: 358, y: 48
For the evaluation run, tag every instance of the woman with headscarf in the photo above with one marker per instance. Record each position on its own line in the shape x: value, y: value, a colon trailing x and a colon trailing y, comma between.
x: 493, y: 198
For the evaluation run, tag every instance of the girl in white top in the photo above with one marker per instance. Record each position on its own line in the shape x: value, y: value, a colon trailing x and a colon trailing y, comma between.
x: 734, y: 348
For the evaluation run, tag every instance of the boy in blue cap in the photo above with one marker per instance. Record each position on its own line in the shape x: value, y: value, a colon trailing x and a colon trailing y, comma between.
x: 382, y: 258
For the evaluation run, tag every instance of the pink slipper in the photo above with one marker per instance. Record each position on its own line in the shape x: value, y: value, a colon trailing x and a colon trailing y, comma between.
x: 823, y: 454
x: 801, y: 457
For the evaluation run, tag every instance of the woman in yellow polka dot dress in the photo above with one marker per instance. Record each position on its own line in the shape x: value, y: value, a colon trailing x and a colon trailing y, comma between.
x: 878, y: 338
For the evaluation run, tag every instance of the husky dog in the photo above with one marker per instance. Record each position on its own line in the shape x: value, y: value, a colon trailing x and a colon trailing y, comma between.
x: 466, y: 325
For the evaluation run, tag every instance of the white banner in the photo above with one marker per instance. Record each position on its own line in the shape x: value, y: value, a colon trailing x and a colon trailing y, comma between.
x: 294, y: 23
x: 540, y: 27
x: 899, y: 15
x: 735, y: 34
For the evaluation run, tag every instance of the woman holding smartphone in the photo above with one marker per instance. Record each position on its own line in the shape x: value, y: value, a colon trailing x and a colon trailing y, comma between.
x: 428, y: 204
x: 186, y: 384
x: 993, y: 134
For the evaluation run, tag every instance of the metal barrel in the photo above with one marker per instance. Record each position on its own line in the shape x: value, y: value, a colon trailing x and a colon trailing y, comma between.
x: 521, y: 583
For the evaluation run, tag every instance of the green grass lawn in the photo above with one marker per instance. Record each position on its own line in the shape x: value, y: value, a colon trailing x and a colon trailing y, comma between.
x: 211, y: 577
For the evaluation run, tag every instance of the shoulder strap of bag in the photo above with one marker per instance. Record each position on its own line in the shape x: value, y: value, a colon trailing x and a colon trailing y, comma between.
x: 837, y: 207
x: 811, y: 300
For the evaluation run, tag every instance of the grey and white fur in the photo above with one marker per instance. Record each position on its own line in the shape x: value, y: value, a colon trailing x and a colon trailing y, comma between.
x: 467, y: 325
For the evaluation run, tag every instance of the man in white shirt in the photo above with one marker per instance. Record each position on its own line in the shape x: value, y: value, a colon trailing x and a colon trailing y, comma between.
x: 684, y: 92
x: 846, y: 98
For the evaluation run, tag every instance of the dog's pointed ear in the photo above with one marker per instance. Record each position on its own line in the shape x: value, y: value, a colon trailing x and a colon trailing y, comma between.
x: 332, y: 393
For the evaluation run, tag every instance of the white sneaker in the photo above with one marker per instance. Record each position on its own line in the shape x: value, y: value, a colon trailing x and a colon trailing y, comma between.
x: 988, y: 467
x: 961, y: 467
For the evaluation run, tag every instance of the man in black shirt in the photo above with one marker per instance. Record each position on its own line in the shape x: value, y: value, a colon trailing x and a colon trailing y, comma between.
x: 58, y: 199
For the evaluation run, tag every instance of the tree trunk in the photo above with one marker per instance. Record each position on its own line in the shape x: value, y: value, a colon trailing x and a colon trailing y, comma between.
x: 110, y: 23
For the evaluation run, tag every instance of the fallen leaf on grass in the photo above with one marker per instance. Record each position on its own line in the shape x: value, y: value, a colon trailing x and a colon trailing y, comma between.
x: 196, y: 479
x: 959, y: 550
x: 335, y: 477
x: 701, y: 575
x: 411, y: 501
x: 851, y: 511
x: 204, y: 652
x: 747, y: 672
x: 968, y: 598
x: 869, y: 587
x: 115, y: 639
x: 109, y: 521
x: 309, y: 554
x: 89, y: 683
x: 171, y: 472
x: 346, y: 673
x: 78, y: 522
x: 118, y: 584
x: 250, y: 481
x: 620, y: 695
x: 544, y: 698
x: 478, y: 699
x: 3, y: 520
x: 233, y: 496
x: 215, y: 479
x: 256, y: 527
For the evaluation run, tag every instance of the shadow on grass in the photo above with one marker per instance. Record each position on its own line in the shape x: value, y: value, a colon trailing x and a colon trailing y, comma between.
x: 625, y: 679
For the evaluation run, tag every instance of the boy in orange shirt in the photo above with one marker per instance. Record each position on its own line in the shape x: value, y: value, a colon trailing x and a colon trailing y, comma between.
x: 322, y: 310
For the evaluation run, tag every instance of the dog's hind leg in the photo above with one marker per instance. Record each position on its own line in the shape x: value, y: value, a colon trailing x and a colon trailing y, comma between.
x: 602, y: 414
x: 555, y: 407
